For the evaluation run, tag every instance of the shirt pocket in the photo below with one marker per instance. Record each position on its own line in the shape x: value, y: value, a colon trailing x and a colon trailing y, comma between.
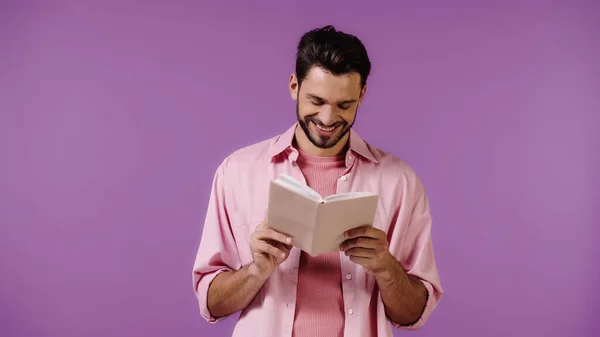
x: 243, y: 225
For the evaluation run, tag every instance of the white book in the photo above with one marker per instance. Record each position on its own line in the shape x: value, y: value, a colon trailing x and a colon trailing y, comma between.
x: 316, y: 224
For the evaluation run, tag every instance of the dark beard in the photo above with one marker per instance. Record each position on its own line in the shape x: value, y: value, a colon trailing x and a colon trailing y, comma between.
x: 322, y: 142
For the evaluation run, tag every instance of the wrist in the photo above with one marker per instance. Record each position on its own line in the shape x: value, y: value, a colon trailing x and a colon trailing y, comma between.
x: 391, y: 272
x: 255, y: 273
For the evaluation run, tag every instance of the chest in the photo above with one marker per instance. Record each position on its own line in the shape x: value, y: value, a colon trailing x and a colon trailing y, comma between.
x: 248, y: 200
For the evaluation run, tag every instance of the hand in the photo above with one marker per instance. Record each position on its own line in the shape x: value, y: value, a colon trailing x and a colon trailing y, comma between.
x: 269, y: 249
x: 368, y: 247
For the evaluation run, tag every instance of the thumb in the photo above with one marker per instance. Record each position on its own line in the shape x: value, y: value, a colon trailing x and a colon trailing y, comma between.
x: 262, y: 225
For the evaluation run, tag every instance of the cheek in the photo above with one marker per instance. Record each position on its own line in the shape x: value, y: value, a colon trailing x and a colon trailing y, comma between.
x: 348, y: 116
x: 306, y: 110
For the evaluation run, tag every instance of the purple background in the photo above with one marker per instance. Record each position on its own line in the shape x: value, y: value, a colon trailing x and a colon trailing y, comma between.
x: 113, y: 118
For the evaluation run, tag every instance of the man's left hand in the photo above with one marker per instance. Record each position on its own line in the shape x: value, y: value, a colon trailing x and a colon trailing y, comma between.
x: 368, y: 247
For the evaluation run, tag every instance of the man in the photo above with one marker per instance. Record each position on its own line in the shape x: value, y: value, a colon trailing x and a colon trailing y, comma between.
x: 383, y: 273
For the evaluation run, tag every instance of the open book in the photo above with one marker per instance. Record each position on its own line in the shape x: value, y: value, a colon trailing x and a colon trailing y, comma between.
x: 316, y: 224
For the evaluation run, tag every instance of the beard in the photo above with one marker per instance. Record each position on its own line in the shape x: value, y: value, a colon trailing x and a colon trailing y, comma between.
x: 321, y: 141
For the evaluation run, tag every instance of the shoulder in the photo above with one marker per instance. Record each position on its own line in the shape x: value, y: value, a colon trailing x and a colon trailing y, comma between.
x: 392, y: 168
x: 247, y: 157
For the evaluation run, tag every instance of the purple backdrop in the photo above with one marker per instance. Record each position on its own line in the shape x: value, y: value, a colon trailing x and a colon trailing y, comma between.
x: 113, y: 118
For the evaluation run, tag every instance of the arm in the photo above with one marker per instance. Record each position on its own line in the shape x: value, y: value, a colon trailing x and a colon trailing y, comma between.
x: 404, y: 296
x: 218, y: 253
x: 412, y: 248
x: 404, y: 268
x: 234, y: 290
x: 221, y: 284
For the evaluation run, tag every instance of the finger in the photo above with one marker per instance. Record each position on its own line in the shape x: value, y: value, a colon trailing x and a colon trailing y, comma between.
x: 262, y: 225
x: 364, y: 242
x: 264, y: 247
x: 360, y: 252
x: 363, y: 261
x: 286, y: 250
x: 281, y: 246
x: 368, y: 231
x: 269, y: 234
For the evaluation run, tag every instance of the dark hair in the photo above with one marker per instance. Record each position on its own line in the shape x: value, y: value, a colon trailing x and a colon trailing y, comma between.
x: 333, y: 50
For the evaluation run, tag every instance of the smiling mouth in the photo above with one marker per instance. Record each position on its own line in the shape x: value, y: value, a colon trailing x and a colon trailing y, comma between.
x: 326, y: 128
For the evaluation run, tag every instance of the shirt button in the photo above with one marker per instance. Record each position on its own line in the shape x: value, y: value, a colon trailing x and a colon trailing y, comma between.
x: 344, y: 178
x: 350, y: 157
x: 348, y: 276
x: 350, y: 311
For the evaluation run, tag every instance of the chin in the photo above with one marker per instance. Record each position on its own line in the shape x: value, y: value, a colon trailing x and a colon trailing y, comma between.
x: 324, y: 142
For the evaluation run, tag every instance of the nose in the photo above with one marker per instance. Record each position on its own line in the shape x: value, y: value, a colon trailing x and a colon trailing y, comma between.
x: 327, y: 115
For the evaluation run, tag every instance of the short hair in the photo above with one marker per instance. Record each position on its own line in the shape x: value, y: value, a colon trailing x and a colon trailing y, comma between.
x: 334, y: 51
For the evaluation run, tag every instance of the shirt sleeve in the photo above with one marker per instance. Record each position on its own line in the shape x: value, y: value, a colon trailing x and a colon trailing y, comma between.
x: 412, y: 246
x: 217, y: 251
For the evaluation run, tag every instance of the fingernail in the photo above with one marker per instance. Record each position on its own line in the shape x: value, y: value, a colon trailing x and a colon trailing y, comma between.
x: 289, y: 240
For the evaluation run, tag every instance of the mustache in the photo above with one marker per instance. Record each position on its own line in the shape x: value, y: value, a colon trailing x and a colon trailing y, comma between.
x: 318, y: 122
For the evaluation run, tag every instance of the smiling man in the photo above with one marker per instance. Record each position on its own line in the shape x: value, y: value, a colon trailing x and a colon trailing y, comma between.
x: 384, y: 274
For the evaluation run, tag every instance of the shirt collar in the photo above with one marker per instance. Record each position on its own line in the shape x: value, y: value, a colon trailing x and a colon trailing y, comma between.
x: 285, y: 140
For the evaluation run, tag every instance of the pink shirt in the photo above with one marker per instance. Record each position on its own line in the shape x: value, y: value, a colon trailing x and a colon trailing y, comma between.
x: 238, y: 203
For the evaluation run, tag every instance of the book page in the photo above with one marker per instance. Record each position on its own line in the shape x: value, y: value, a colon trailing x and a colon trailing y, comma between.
x: 335, y: 218
x: 346, y: 196
x: 301, y: 234
x: 292, y: 214
x: 295, y: 185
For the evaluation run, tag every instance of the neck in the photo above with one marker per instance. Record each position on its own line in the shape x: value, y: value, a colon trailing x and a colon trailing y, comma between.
x: 306, y: 146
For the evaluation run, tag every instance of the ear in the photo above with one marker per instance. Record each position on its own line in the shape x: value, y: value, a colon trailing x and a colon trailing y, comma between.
x: 363, y: 92
x: 294, y: 87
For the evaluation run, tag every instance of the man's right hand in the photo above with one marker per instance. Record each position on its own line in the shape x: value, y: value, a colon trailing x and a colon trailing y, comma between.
x: 232, y: 291
x: 269, y: 249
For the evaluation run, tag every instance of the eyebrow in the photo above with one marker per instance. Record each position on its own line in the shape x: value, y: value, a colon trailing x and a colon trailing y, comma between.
x: 315, y: 97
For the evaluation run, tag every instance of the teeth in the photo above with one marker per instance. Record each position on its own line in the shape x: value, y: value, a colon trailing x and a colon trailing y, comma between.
x: 326, y: 129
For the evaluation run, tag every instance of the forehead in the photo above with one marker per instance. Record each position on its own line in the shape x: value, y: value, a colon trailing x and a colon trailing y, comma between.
x: 327, y: 85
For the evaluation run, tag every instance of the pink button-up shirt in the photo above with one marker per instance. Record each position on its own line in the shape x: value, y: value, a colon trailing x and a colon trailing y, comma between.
x: 238, y: 203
